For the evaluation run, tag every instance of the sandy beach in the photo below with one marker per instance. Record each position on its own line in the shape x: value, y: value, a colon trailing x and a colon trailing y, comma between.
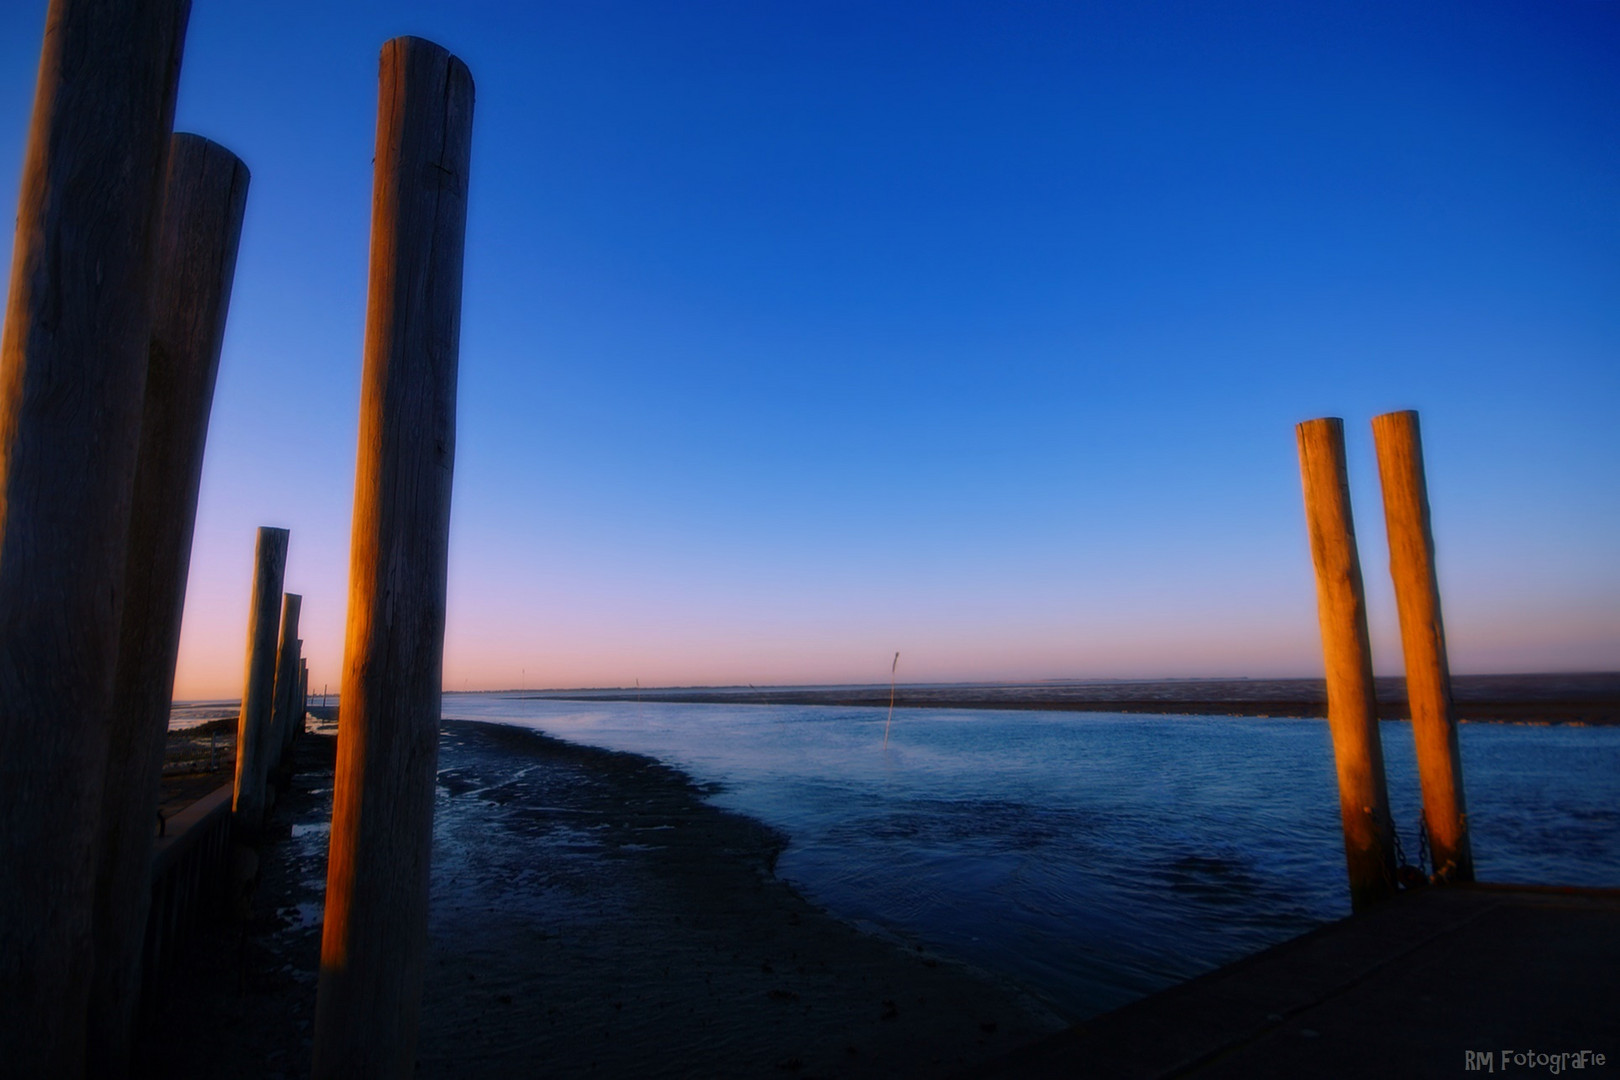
x: 591, y: 914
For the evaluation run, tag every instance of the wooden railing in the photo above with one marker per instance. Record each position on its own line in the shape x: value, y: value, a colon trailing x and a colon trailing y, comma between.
x: 189, y: 867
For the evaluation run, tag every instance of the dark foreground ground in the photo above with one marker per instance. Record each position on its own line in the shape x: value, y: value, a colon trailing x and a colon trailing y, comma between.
x: 1437, y: 982
x: 592, y: 915
x: 1592, y: 698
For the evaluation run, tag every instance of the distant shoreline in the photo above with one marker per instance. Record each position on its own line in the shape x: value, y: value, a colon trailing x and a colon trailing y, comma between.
x: 592, y: 913
x: 1564, y: 698
x: 1551, y: 699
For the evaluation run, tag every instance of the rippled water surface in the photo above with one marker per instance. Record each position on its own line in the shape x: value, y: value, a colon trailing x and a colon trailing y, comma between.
x: 1092, y: 857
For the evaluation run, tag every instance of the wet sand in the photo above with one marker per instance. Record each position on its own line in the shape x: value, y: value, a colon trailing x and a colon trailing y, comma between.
x: 591, y: 914
x: 196, y: 760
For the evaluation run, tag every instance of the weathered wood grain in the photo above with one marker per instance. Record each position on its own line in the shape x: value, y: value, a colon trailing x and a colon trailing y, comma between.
x: 73, y: 358
x: 205, y: 197
x: 259, y: 683
x: 1358, y: 753
x: 375, y: 934
x: 1423, y: 641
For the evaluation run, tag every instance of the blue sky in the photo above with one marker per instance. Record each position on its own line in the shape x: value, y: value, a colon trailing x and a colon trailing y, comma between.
x: 798, y: 333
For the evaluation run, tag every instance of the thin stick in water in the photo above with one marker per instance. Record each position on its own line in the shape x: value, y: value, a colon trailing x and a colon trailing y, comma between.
x: 890, y: 720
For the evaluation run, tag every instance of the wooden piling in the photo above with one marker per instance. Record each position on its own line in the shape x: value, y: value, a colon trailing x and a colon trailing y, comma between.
x: 1347, y: 658
x: 258, y: 683
x: 286, y: 671
x: 303, y: 696
x: 72, y: 373
x: 375, y: 935
x: 205, y: 196
x: 1423, y: 642
x: 289, y: 724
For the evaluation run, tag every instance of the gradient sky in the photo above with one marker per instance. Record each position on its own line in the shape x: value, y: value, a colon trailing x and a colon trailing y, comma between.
x: 799, y: 333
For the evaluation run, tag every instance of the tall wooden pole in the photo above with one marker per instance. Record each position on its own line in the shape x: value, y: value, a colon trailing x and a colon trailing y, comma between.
x: 1423, y: 641
x: 250, y: 800
x: 72, y: 374
x: 203, y: 205
x: 1358, y: 753
x: 289, y: 725
x: 286, y: 676
x: 375, y: 935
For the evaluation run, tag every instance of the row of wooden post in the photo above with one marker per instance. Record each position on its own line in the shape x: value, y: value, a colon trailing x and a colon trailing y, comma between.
x: 124, y: 256
x: 273, y: 699
x: 1369, y: 837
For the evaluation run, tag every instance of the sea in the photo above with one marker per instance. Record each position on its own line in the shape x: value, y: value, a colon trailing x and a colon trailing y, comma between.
x: 1091, y: 858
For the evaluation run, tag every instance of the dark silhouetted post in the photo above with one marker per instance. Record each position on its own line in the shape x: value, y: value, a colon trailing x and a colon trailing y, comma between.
x: 1423, y: 641
x: 286, y: 676
x: 303, y: 695
x: 295, y: 715
x: 374, y: 941
x: 1347, y: 658
x: 259, y: 683
x: 196, y: 261
x: 72, y: 375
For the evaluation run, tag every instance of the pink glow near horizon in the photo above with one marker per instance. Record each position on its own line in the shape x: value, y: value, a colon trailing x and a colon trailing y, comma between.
x: 984, y: 344
x: 491, y: 654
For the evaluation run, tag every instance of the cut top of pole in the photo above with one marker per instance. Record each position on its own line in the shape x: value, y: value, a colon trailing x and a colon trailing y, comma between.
x: 374, y: 937
x: 205, y: 198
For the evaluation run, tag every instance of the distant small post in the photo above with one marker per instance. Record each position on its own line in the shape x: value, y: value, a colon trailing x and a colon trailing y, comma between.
x: 259, y: 682
x: 205, y: 198
x: 303, y: 695
x: 295, y: 715
x: 1423, y: 642
x: 286, y: 676
x: 374, y: 942
x: 1358, y: 752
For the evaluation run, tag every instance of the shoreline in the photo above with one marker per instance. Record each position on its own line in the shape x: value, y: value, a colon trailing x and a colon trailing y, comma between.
x: 1592, y: 698
x: 592, y: 913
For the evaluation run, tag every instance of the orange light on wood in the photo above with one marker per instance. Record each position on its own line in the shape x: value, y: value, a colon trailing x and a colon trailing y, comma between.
x: 1423, y: 642
x: 73, y: 358
x: 1358, y: 754
x: 374, y: 941
x: 250, y: 801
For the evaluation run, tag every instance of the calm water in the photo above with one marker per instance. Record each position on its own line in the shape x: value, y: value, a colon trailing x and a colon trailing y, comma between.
x: 1092, y: 857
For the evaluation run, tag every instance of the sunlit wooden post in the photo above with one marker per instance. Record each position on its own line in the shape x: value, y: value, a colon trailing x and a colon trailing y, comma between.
x: 258, y: 683
x: 374, y: 940
x: 1352, y: 708
x: 286, y: 676
x: 1423, y: 641
x: 204, y: 201
x: 72, y: 375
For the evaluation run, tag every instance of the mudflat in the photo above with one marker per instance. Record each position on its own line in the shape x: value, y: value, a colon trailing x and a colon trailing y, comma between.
x: 591, y: 914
